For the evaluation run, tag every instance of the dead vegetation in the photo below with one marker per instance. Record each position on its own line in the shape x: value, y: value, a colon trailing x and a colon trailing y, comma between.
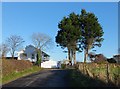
x: 9, y: 66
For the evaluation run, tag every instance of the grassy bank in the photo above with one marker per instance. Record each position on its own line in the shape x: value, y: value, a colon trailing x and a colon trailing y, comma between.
x: 14, y: 75
x: 106, y: 73
x: 78, y: 79
x: 13, y: 69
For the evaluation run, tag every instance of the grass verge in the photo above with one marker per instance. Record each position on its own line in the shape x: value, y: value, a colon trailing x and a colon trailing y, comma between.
x: 14, y: 75
x: 77, y: 79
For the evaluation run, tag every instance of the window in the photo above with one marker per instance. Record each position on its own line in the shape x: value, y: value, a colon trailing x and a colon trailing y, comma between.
x: 24, y: 54
x: 33, y: 56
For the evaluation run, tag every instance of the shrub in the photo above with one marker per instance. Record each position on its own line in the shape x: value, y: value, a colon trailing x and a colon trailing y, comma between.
x: 63, y: 66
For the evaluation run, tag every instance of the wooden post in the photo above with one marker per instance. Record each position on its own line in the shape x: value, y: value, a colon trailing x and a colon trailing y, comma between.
x: 107, y: 72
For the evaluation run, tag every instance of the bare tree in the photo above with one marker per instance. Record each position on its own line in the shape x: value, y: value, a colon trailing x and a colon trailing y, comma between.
x: 4, y: 50
x: 14, y: 43
x: 41, y: 42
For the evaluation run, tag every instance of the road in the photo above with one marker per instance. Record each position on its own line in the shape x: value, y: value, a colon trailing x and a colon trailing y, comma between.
x: 43, y: 78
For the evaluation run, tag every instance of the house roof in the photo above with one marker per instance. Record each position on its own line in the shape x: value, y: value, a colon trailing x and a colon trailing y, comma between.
x: 116, y: 56
x: 45, y: 54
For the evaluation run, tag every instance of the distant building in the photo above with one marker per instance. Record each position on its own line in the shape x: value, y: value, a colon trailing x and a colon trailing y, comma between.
x: 49, y: 64
x: 111, y: 60
x: 30, y: 53
x: 97, y: 58
x: 100, y: 58
x: 117, y: 58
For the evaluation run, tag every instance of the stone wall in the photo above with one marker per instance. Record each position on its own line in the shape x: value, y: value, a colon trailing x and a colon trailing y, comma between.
x: 109, y: 73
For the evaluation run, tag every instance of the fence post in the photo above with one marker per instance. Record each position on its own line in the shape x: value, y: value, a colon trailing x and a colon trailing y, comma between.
x: 107, y: 72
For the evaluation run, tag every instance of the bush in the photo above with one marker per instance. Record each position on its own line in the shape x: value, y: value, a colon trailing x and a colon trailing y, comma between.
x: 63, y: 66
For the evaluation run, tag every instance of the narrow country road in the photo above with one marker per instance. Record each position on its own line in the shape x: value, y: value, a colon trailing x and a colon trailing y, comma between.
x: 44, y: 78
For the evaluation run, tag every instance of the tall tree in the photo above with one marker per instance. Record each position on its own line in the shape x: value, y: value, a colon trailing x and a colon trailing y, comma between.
x: 69, y: 34
x: 4, y: 49
x: 14, y: 43
x: 41, y: 42
x: 91, y: 32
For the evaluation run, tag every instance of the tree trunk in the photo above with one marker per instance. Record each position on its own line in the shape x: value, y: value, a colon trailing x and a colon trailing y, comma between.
x: 85, y: 55
x: 74, y: 57
x: 39, y: 57
x: 107, y: 73
x: 3, y: 56
x: 69, y: 57
x: 13, y: 55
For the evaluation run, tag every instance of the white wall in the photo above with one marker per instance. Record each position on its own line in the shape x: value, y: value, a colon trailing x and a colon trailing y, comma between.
x: 29, y: 50
x: 49, y: 64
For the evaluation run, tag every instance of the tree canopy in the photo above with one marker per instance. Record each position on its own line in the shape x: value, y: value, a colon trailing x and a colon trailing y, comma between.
x: 79, y: 32
x: 91, y: 31
x: 69, y: 33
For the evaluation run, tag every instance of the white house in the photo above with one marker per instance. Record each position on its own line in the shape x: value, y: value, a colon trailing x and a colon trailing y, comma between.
x: 30, y: 54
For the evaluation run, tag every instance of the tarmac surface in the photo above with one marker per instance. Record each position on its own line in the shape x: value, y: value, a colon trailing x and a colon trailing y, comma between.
x: 43, y: 78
